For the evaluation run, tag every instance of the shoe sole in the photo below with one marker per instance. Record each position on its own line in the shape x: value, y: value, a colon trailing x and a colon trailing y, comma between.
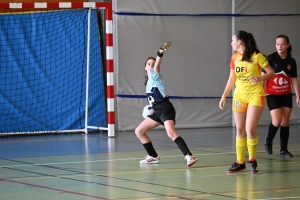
x: 269, y: 152
x: 189, y: 165
x: 286, y: 156
x: 166, y: 46
x: 253, y: 172
x: 236, y: 171
x: 154, y: 162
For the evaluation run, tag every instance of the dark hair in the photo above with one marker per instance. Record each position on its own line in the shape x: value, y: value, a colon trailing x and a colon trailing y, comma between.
x: 250, y: 44
x: 289, y: 49
x: 146, y: 77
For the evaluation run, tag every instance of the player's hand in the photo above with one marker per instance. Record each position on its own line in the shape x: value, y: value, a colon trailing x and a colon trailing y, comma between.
x: 222, y: 103
x: 298, y: 102
x: 255, y: 79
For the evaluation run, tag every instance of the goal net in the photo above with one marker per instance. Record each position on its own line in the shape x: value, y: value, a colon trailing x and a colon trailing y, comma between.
x: 54, y: 69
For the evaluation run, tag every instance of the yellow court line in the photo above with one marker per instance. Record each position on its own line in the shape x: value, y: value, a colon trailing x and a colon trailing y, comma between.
x: 281, y: 198
x: 254, y: 192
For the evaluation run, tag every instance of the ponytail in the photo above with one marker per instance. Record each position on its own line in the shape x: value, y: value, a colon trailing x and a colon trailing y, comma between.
x: 250, y: 44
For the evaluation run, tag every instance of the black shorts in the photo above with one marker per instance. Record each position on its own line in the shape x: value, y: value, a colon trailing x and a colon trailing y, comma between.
x: 278, y: 101
x: 163, y: 111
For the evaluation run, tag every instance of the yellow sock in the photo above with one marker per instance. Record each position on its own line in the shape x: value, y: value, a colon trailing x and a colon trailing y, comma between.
x: 241, y: 146
x: 252, y: 147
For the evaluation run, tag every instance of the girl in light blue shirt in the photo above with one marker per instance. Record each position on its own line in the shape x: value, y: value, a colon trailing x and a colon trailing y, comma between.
x: 164, y: 112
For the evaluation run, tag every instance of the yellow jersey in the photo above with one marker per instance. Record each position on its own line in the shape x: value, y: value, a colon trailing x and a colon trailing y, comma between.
x: 246, y: 69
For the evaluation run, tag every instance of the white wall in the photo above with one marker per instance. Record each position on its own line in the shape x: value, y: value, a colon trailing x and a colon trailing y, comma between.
x: 197, y: 63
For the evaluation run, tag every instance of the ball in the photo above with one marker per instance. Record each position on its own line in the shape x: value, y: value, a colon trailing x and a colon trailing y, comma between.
x: 147, y: 110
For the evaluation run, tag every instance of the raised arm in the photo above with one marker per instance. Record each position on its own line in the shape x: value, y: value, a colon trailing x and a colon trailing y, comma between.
x: 160, y: 54
x: 157, y: 64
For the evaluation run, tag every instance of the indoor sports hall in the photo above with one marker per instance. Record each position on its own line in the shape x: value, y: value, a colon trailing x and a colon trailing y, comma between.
x: 94, y: 166
x: 72, y: 94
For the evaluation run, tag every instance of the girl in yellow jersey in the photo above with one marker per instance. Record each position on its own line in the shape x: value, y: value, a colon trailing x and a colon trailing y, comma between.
x: 249, y: 98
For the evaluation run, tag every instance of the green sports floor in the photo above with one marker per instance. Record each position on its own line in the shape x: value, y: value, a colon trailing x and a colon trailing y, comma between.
x: 93, y: 166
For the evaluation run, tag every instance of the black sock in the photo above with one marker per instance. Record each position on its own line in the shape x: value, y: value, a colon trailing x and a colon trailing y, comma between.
x: 272, y: 132
x: 284, y: 137
x: 182, y: 146
x: 150, y: 149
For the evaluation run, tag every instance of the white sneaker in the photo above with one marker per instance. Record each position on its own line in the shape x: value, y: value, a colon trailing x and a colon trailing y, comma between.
x: 190, y: 160
x: 150, y: 160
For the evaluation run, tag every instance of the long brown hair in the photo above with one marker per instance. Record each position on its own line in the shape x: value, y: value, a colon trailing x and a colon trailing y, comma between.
x: 250, y: 44
x: 146, y: 77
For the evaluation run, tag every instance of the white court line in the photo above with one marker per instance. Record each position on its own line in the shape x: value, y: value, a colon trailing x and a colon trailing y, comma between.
x: 123, y: 159
x: 113, y: 160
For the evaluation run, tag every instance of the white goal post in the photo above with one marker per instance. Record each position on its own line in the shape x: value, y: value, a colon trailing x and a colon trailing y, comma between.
x: 108, y: 61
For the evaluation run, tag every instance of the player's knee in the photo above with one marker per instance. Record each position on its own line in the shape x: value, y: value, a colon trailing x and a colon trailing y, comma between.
x: 285, y: 123
x: 138, y: 132
x: 276, y: 123
x: 240, y: 132
x: 251, y: 132
x: 172, y: 134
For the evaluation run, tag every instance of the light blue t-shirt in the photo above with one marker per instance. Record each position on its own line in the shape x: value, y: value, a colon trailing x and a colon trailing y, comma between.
x: 155, y: 88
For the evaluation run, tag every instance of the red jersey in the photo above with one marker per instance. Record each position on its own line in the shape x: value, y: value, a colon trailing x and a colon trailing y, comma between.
x: 285, y: 69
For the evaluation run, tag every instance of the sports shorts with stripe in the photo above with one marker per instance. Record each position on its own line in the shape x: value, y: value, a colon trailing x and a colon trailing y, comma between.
x: 241, y: 101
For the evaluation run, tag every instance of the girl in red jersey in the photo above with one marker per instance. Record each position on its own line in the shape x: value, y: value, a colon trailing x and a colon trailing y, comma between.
x: 249, y: 97
x: 279, y: 93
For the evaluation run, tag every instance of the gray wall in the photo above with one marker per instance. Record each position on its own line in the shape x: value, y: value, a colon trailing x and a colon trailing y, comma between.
x: 197, y: 63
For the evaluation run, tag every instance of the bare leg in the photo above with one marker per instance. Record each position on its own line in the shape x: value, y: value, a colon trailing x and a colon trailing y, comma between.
x: 253, y: 115
x: 143, y: 128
